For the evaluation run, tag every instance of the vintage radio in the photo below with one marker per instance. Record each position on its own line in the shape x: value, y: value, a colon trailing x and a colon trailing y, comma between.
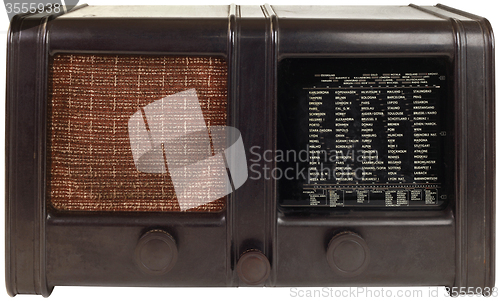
x: 250, y: 146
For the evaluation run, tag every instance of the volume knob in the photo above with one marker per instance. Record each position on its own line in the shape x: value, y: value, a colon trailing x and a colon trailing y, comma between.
x: 156, y: 252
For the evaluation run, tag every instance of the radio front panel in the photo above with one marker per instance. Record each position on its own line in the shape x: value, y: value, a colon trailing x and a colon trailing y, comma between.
x: 249, y: 146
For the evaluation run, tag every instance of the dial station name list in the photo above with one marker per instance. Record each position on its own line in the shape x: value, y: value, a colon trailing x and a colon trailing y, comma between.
x: 374, y: 129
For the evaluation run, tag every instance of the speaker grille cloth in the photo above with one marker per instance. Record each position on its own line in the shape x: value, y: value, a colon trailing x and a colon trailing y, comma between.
x: 91, y: 98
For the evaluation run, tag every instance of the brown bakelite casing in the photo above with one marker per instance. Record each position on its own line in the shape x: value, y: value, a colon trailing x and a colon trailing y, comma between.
x: 246, y: 238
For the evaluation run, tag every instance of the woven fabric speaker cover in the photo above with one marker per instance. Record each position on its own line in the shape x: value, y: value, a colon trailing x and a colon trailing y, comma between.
x: 91, y: 98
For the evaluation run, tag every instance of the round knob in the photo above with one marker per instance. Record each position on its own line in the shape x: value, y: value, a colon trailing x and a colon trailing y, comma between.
x: 156, y: 252
x: 348, y: 254
x: 253, y: 267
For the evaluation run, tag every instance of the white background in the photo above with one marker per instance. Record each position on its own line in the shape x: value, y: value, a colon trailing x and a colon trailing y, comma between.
x: 488, y: 9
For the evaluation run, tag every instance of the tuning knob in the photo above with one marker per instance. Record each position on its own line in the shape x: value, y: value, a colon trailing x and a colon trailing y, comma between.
x: 348, y: 254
